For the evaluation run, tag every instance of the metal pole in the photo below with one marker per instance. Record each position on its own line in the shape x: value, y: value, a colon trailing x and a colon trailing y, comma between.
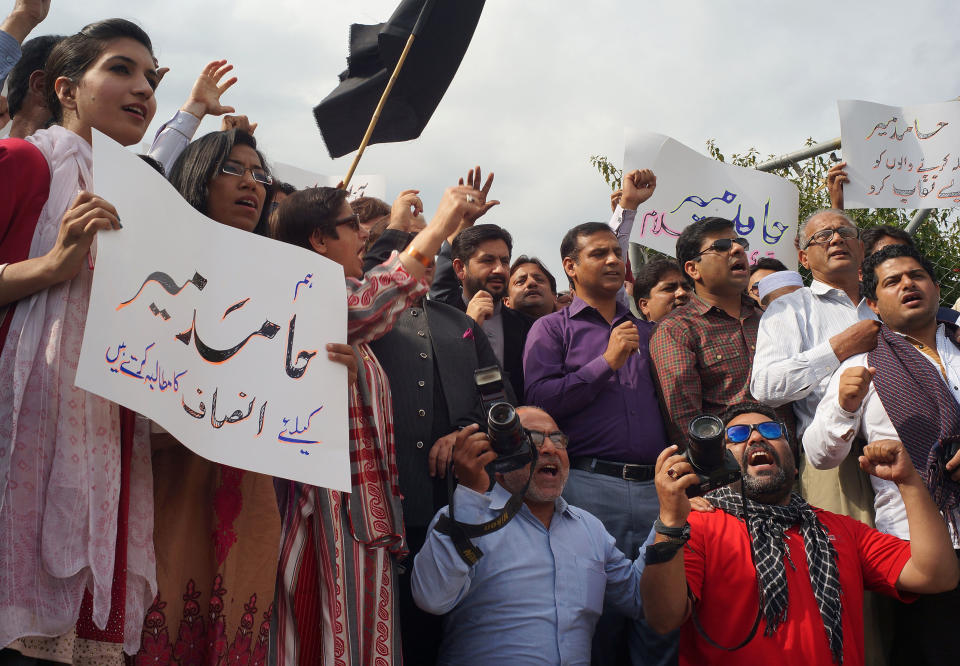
x: 800, y: 155
x: 918, y: 218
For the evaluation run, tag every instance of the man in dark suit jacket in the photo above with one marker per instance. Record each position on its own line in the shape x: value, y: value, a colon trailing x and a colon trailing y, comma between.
x: 429, y: 356
x: 472, y: 276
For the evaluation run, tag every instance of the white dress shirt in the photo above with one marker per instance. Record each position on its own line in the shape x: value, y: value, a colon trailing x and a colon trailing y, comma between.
x: 794, y: 359
x: 828, y: 439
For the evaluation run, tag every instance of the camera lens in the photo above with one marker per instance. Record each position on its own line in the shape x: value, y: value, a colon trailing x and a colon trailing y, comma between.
x: 501, y: 415
x: 705, y: 427
x: 706, y: 442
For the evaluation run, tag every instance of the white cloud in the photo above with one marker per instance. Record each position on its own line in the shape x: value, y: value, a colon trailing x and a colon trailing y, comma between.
x: 547, y: 84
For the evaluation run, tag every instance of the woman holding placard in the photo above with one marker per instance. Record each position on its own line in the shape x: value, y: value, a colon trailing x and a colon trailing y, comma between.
x: 337, y: 602
x: 217, y: 528
x: 76, y: 537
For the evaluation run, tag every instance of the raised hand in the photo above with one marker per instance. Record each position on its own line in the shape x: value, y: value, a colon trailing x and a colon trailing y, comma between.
x: 887, y: 459
x: 836, y: 177
x: 638, y: 186
x: 24, y: 17
x: 407, y: 212
x: 853, y: 387
x: 243, y: 124
x: 205, y: 95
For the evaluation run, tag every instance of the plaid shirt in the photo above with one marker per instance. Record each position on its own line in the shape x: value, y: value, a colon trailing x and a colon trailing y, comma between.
x: 703, y: 358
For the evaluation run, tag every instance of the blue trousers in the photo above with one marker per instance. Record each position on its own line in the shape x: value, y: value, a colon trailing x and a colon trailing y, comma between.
x: 627, y: 509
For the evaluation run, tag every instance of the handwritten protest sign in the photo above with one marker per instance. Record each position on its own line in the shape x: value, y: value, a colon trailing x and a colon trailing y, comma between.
x: 763, y: 207
x: 901, y: 156
x: 216, y: 334
x: 360, y: 186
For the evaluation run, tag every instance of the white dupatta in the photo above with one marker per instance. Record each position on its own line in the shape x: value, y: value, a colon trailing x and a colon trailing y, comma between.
x: 60, y: 451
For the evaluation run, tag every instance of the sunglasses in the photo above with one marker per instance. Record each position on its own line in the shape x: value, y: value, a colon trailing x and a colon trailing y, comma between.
x: 724, y: 245
x: 824, y: 236
x: 353, y: 222
x: 258, y: 173
x: 558, y: 438
x: 768, y: 430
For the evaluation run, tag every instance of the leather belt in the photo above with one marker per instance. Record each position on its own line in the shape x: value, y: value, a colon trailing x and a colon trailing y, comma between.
x: 625, y: 471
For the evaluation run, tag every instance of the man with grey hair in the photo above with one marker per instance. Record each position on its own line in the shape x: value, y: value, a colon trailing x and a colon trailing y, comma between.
x: 803, y: 338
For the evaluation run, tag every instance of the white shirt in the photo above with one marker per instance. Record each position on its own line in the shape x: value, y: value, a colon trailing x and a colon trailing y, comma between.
x: 794, y: 359
x: 828, y: 439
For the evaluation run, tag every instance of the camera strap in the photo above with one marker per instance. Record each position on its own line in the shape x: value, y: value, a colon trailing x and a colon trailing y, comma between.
x: 461, y: 533
x: 756, y: 623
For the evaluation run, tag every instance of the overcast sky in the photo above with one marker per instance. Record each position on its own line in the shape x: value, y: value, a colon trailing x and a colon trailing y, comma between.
x: 546, y: 84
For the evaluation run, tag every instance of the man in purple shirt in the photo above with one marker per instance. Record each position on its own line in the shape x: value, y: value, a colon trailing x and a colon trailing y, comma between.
x: 589, y: 367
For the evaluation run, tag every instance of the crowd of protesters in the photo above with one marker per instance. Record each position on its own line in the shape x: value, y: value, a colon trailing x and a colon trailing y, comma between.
x: 838, y: 401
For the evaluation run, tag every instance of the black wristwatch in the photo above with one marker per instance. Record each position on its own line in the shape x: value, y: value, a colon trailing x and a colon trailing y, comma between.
x: 680, y: 534
x: 664, y: 551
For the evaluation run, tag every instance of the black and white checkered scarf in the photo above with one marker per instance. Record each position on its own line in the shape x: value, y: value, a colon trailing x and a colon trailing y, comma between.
x: 766, y: 524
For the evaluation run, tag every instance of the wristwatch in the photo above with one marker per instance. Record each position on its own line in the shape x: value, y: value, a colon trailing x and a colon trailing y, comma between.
x: 680, y: 534
x: 661, y: 552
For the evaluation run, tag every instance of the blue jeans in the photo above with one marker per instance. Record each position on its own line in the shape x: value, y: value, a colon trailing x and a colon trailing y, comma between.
x: 627, y: 509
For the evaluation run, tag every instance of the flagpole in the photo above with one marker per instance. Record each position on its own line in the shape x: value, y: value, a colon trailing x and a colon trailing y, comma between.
x: 421, y: 20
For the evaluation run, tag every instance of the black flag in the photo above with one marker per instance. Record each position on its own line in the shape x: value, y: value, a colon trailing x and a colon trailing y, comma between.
x: 439, y: 46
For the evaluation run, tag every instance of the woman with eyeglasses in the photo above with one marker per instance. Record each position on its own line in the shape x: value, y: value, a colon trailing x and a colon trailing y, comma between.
x: 338, y: 600
x: 217, y: 528
x: 76, y: 551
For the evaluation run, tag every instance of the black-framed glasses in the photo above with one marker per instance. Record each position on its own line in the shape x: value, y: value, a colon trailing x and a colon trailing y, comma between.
x: 724, y: 245
x: 259, y: 174
x: 353, y: 221
x: 767, y: 430
x: 824, y: 236
x: 558, y: 438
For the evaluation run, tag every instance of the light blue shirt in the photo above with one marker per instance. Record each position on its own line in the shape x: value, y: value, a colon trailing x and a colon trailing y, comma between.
x: 535, y: 595
x: 9, y: 54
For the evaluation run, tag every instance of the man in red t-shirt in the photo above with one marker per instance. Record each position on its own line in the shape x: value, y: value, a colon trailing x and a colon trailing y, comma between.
x: 771, y: 574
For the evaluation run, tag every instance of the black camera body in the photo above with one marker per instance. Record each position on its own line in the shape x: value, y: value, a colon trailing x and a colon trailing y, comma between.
x: 507, y: 437
x: 709, y: 457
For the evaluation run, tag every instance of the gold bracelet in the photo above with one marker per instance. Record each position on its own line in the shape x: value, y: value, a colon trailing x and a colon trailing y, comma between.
x: 417, y: 256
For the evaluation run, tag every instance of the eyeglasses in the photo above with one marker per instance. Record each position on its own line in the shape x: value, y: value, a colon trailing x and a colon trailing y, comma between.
x: 558, y: 438
x: 259, y: 174
x: 353, y: 221
x: 724, y: 245
x: 824, y: 236
x: 767, y: 430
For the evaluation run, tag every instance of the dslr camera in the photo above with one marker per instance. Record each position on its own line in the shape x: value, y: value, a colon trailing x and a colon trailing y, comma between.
x: 708, y: 455
x: 507, y: 437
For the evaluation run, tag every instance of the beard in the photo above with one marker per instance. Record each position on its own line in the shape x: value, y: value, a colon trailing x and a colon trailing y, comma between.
x: 472, y: 285
x: 770, y: 488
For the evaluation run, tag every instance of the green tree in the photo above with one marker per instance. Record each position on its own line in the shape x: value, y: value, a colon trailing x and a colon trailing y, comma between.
x: 938, y: 236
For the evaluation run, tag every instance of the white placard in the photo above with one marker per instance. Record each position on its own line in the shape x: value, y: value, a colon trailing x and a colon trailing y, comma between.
x: 216, y: 334
x: 901, y: 156
x: 691, y: 186
x: 360, y: 185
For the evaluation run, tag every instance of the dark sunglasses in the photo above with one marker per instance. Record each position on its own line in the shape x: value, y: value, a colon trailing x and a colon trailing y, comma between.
x: 558, y: 438
x: 353, y: 221
x: 767, y: 430
x: 724, y: 245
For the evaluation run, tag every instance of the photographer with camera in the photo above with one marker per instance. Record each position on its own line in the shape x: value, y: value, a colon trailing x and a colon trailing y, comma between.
x: 536, y: 593
x: 770, y: 578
